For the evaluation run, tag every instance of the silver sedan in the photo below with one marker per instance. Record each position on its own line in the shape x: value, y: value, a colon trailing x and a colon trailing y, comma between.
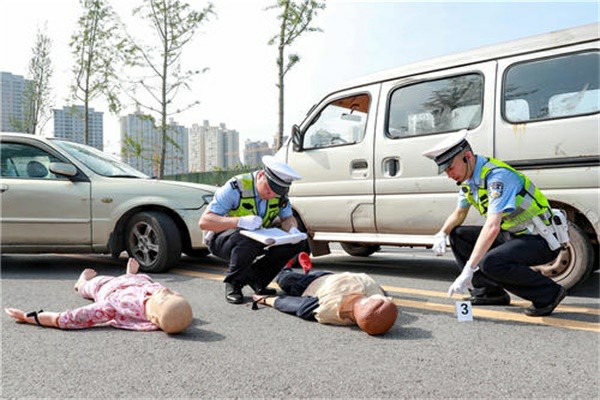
x: 63, y: 197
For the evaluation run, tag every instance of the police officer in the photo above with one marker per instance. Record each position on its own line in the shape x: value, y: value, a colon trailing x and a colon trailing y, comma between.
x: 497, y: 257
x: 251, y: 201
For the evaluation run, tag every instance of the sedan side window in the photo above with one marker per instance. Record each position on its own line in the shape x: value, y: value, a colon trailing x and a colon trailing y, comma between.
x: 341, y: 122
x: 18, y: 160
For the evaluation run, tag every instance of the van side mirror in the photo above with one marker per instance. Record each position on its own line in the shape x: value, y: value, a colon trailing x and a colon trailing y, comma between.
x: 296, y: 138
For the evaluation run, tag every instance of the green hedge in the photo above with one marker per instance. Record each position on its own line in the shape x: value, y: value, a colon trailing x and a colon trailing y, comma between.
x: 217, y: 178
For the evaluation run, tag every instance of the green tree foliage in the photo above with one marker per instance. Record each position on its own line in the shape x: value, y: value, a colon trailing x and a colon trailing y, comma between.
x: 174, y: 24
x: 98, y: 49
x: 296, y: 17
x: 37, y: 94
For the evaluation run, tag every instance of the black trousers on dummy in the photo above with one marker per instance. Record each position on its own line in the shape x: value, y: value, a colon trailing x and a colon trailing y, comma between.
x: 250, y: 263
x: 506, y: 265
x: 294, y: 284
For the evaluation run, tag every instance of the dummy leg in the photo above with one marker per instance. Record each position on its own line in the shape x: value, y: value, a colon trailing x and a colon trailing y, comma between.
x: 85, y: 276
x: 132, y: 266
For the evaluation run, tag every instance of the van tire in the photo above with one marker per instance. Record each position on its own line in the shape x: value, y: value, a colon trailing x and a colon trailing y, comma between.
x: 358, y: 249
x: 574, y: 264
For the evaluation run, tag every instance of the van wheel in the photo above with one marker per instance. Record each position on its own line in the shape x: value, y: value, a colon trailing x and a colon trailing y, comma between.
x: 574, y: 264
x: 358, y: 249
x: 153, y: 239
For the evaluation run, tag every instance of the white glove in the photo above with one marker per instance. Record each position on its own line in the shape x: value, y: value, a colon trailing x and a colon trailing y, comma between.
x: 439, y: 243
x: 294, y: 230
x: 463, y: 282
x: 250, y: 222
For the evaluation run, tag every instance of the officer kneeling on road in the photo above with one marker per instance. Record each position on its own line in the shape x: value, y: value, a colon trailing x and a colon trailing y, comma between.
x: 251, y: 201
x: 521, y: 230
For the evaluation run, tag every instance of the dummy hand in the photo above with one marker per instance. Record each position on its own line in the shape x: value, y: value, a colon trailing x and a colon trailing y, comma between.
x: 439, y: 243
x: 463, y: 282
x: 294, y: 230
x: 250, y: 222
x: 16, y: 314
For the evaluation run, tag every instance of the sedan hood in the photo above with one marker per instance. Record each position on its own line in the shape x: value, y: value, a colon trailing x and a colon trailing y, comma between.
x: 173, y: 194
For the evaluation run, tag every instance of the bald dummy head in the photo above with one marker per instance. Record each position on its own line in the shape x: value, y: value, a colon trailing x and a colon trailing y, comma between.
x: 375, y: 314
x: 169, y: 310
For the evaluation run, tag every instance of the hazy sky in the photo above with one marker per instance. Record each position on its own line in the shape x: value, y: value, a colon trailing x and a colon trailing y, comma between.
x: 358, y: 38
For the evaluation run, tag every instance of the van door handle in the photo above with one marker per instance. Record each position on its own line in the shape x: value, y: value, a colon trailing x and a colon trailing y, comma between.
x: 359, y: 169
x: 3, y: 188
x: 359, y: 164
x: 391, y: 167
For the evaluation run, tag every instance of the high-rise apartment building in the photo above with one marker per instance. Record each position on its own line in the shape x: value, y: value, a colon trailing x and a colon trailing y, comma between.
x: 12, y: 107
x: 69, y: 124
x: 254, y: 152
x: 141, y: 145
x: 213, y: 147
x: 197, y: 146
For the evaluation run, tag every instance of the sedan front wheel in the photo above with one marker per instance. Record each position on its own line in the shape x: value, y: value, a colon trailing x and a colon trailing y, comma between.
x: 154, y: 241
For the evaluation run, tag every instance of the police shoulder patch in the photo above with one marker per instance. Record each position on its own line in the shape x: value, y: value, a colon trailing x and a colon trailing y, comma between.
x: 495, y: 189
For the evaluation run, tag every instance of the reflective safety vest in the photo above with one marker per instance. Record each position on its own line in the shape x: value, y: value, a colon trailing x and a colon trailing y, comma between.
x: 245, y: 184
x: 530, y: 201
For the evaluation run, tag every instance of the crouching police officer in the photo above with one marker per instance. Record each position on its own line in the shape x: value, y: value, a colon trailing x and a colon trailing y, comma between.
x: 251, y: 201
x: 521, y: 230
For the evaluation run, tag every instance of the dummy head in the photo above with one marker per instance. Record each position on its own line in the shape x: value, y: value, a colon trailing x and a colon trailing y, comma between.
x: 375, y: 314
x: 169, y: 310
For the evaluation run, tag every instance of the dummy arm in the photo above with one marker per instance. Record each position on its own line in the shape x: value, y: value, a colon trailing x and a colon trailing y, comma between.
x: 48, y: 319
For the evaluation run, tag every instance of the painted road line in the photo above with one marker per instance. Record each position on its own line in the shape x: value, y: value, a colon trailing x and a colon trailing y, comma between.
x: 520, y: 303
x: 502, y: 315
x: 447, y: 308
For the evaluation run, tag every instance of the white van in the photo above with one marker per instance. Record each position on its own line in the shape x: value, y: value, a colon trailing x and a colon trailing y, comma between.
x: 532, y: 103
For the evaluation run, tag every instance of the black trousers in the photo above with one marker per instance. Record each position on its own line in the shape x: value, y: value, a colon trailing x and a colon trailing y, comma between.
x: 506, y: 265
x: 250, y: 263
x: 294, y: 284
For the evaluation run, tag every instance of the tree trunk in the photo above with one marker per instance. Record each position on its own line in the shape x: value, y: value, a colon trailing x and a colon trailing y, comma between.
x: 280, y: 85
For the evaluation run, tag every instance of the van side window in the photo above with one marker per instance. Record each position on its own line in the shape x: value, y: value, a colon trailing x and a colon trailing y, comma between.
x: 552, y: 88
x: 435, y: 106
x: 341, y: 122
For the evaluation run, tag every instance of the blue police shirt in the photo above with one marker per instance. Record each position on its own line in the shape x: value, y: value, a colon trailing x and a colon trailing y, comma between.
x: 228, y: 198
x: 503, y: 185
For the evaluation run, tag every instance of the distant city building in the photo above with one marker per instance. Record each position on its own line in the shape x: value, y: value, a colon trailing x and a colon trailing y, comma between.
x: 213, y: 147
x: 197, y: 147
x: 254, y: 152
x: 141, y: 144
x: 12, y: 108
x: 283, y: 140
x: 69, y: 124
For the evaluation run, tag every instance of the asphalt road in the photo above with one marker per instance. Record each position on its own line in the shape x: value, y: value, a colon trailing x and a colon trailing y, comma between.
x: 231, y: 351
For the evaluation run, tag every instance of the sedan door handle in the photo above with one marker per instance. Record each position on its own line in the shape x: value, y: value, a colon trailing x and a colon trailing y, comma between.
x: 3, y: 188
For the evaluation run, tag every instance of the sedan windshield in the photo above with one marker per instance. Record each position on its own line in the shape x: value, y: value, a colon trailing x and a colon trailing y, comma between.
x: 98, y: 161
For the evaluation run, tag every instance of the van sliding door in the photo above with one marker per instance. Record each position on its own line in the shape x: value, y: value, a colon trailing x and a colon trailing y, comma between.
x: 420, y: 111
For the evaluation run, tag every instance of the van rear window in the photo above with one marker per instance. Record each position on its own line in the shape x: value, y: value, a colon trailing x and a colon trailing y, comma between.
x: 552, y: 88
x: 436, y: 106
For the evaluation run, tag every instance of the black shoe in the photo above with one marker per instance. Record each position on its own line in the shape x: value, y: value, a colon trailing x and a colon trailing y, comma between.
x: 266, y: 291
x: 233, y: 293
x: 501, y: 300
x: 547, y: 310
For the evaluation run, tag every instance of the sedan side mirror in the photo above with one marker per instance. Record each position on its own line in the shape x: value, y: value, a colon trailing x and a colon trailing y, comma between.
x: 296, y: 138
x: 60, y: 168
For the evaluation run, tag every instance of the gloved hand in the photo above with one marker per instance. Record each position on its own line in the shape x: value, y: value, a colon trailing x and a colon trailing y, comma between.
x: 250, y: 222
x: 294, y: 230
x: 439, y: 243
x: 463, y: 282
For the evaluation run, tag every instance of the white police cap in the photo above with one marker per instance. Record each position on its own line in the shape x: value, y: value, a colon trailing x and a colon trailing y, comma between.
x: 279, y: 175
x: 443, y: 152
